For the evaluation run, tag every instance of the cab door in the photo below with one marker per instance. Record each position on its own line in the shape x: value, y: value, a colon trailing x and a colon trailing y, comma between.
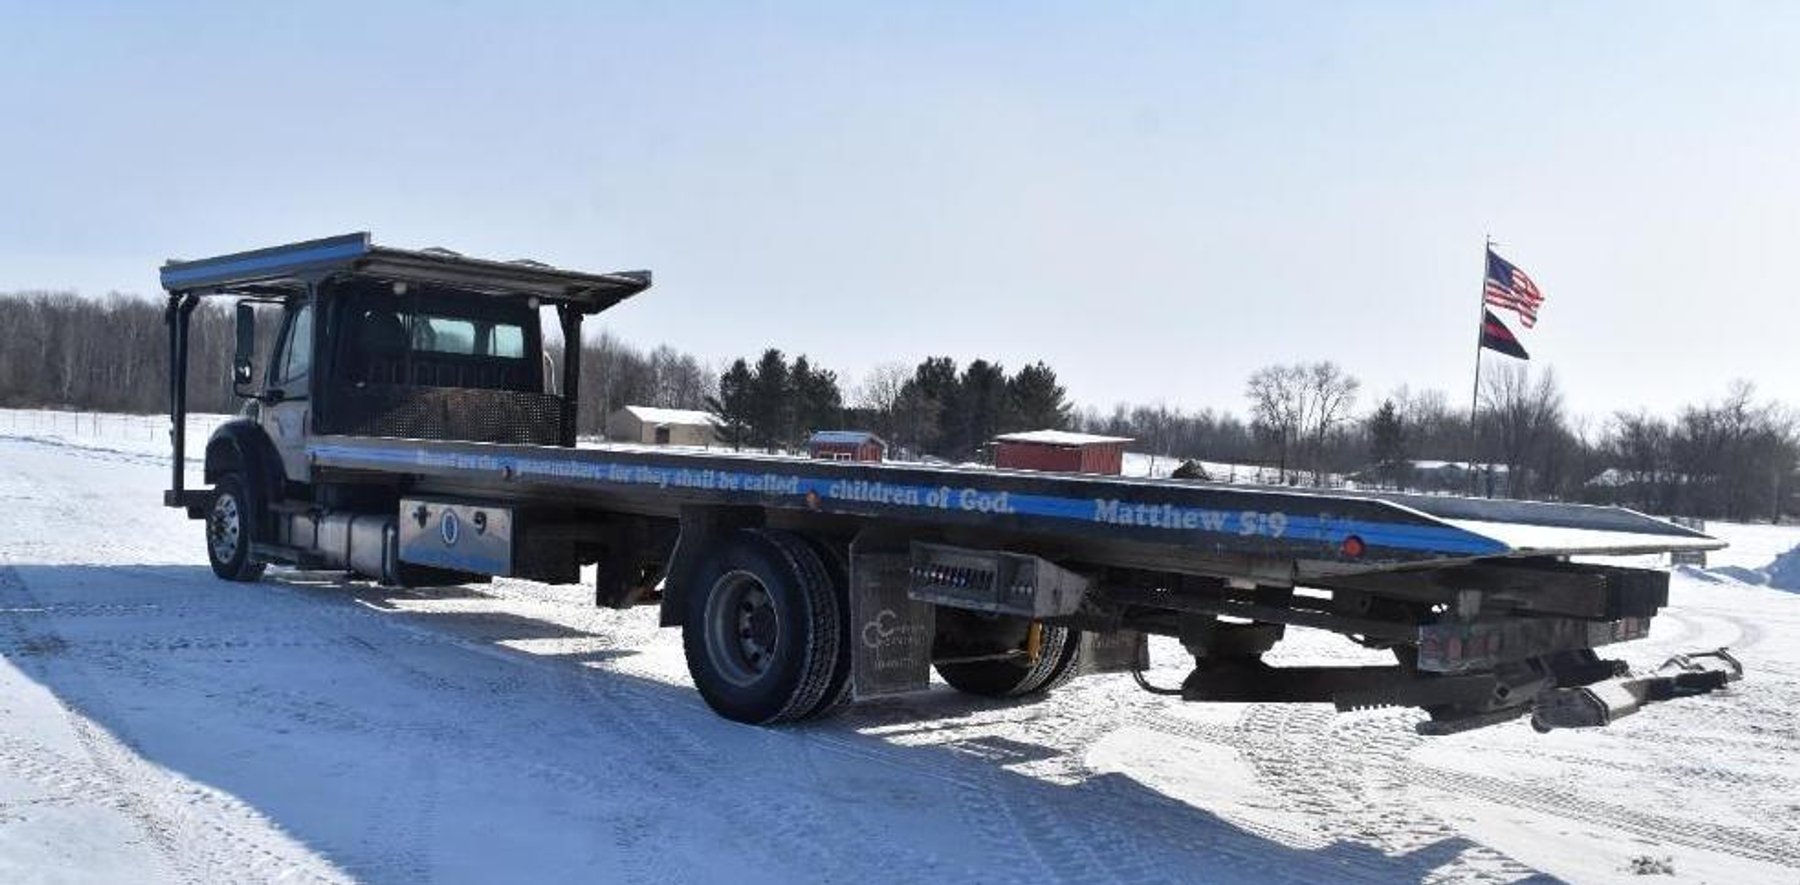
x: 286, y: 410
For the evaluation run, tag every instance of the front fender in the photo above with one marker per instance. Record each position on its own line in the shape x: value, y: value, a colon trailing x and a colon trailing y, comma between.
x: 241, y: 446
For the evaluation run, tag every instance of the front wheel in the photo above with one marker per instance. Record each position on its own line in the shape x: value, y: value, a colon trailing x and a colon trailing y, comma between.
x: 228, y: 532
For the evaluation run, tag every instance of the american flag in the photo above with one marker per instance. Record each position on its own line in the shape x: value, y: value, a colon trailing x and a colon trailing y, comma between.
x: 1508, y: 288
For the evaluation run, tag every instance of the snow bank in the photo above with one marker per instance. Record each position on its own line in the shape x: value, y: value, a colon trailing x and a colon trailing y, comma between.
x: 1759, y: 555
x: 1784, y: 572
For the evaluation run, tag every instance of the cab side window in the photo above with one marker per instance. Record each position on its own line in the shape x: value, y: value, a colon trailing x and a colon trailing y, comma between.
x: 295, y: 360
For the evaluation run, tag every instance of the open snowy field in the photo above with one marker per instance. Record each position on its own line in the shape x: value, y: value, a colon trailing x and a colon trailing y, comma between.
x: 158, y: 725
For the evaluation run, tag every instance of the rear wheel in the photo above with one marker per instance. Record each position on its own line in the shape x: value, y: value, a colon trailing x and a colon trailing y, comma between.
x: 228, y: 532
x: 991, y: 656
x: 837, y: 691
x: 761, y: 628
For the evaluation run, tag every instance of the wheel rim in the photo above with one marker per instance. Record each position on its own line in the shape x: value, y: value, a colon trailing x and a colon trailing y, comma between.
x: 743, y: 627
x: 225, y: 528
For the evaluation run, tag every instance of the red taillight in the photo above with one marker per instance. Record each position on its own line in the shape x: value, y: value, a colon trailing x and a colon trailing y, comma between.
x: 1352, y: 547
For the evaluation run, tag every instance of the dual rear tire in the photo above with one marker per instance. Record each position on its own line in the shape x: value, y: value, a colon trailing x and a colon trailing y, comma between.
x: 766, y: 632
x: 1011, y: 671
x: 765, y: 627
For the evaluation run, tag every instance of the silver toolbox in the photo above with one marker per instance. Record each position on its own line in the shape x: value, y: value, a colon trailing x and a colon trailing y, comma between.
x: 994, y: 581
x: 456, y: 535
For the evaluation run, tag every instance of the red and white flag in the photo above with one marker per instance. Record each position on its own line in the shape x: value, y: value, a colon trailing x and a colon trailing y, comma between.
x: 1508, y: 288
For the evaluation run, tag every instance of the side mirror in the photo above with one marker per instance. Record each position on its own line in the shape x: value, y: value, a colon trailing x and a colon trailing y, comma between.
x: 243, y: 363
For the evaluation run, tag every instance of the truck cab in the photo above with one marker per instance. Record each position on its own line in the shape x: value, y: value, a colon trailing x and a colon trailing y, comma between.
x: 379, y: 358
x: 371, y: 342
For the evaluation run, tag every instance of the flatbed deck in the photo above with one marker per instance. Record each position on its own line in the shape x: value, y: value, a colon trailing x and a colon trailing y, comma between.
x: 1315, y: 530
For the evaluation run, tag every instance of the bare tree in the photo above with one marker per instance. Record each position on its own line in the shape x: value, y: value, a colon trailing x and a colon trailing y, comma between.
x: 1639, y: 448
x: 879, y: 395
x: 677, y: 379
x: 1277, y: 397
x: 1299, y: 406
x: 1522, y: 418
x: 1435, y: 430
x: 1736, y: 457
x: 1155, y: 428
x: 1330, y: 394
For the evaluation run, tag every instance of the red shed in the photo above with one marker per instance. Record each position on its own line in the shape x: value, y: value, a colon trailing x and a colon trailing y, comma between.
x: 1061, y: 451
x: 846, y: 445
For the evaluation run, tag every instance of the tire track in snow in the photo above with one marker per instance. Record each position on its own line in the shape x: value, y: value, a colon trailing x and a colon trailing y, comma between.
x: 1345, y: 771
x: 1693, y: 833
x: 204, y: 834
x: 529, y: 683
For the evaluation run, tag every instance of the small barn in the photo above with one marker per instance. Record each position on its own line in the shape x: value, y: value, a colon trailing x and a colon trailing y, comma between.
x: 1061, y: 451
x: 662, y: 427
x: 846, y: 445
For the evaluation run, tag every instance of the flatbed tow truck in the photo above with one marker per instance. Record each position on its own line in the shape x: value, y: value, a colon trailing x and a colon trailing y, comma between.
x: 410, y: 426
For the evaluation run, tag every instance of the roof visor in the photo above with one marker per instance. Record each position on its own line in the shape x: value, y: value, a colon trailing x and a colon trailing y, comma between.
x: 281, y: 269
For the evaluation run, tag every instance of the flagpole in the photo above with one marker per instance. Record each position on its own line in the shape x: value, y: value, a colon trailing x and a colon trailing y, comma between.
x: 1475, y: 393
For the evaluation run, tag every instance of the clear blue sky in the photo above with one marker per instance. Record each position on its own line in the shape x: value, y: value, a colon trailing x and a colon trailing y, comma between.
x: 1154, y: 198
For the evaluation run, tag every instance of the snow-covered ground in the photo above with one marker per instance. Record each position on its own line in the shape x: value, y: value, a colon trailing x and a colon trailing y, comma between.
x: 159, y: 725
x: 146, y: 435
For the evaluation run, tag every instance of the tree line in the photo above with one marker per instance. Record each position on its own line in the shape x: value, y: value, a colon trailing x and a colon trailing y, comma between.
x: 1735, y: 457
x: 60, y: 350
x: 938, y: 408
x: 616, y: 374
x: 934, y: 408
x: 110, y: 354
x: 776, y: 404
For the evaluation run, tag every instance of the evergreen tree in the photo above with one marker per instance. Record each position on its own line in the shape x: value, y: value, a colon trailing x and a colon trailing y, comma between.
x: 1035, y: 401
x: 922, y: 418
x: 979, y: 410
x: 1388, y: 444
x: 771, y: 411
x: 732, y: 409
x: 818, y: 403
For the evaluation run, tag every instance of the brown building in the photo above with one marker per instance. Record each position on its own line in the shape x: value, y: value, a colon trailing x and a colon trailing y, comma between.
x: 662, y: 427
x: 846, y: 445
x: 1060, y: 451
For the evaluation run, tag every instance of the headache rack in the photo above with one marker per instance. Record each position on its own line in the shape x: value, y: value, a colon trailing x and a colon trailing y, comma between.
x: 414, y: 406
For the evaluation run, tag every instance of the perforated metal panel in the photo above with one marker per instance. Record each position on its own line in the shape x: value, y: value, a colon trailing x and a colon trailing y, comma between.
x: 497, y: 416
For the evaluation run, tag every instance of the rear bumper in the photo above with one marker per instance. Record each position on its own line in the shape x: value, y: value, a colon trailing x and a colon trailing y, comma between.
x: 1454, y: 647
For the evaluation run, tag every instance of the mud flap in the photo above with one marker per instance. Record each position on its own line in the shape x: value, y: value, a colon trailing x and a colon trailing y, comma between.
x: 1121, y: 651
x: 890, y: 633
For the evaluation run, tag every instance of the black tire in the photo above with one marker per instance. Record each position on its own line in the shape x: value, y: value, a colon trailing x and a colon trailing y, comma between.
x: 761, y: 626
x: 1058, y: 650
x: 229, y: 525
x: 837, y: 691
x: 1066, y: 666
